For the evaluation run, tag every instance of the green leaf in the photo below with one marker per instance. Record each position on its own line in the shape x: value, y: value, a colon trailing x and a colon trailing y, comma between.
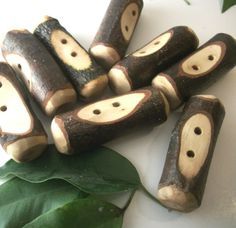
x: 84, y: 213
x: 227, y: 4
x: 99, y: 172
x: 21, y: 202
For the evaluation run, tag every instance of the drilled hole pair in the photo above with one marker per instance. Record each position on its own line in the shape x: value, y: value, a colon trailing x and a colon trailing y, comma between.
x: 196, y: 68
x: 98, y: 112
x: 73, y: 53
x: 190, y: 153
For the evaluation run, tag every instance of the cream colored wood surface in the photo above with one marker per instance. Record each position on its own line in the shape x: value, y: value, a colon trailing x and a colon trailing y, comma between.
x: 118, y: 81
x: 154, y: 45
x: 108, y: 54
x: 163, y: 83
x: 112, y: 110
x: 69, y: 51
x: 195, y: 140
x: 15, y: 117
x: 129, y: 20
x: 203, y: 61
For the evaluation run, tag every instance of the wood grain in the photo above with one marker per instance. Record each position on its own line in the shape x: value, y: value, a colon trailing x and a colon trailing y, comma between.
x: 88, y: 78
x: 198, y: 71
x: 139, y: 68
x: 86, y: 128
x: 115, y: 32
x: 190, y: 154
x: 21, y: 134
x: 38, y: 70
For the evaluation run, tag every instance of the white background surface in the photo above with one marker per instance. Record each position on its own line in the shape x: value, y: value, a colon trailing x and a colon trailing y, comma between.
x: 147, y: 149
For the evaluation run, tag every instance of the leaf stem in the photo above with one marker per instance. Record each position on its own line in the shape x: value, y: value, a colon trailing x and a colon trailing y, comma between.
x: 129, y: 200
x: 187, y: 2
x: 152, y: 196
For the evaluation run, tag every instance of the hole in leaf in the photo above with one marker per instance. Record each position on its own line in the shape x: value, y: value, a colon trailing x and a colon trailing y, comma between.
x: 64, y: 41
x: 73, y: 54
x: 96, y: 111
x: 116, y: 104
x: 195, y: 67
x: 3, y: 108
x: 198, y: 131
x: 190, y: 154
x: 211, y: 57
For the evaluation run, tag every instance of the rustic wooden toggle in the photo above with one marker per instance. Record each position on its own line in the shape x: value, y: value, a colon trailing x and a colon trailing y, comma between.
x: 198, y: 71
x: 88, y: 77
x: 21, y: 134
x: 86, y: 128
x: 139, y: 68
x: 115, y: 32
x: 38, y: 70
x: 190, y: 153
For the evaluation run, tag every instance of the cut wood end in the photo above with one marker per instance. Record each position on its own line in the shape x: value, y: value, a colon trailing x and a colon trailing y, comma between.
x: 176, y: 199
x: 27, y: 149
x: 60, y: 136
x: 164, y: 84
x: 58, y: 99
x: 118, y: 81
x: 105, y: 54
x: 94, y: 87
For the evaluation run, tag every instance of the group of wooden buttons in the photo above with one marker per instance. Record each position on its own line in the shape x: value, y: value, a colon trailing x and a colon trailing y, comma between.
x: 151, y: 82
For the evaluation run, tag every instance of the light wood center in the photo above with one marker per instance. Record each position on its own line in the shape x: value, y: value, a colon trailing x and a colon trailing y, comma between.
x: 203, y: 61
x: 69, y: 51
x: 154, y: 45
x: 114, y: 109
x: 15, y: 118
x: 129, y: 19
x: 195, y: 142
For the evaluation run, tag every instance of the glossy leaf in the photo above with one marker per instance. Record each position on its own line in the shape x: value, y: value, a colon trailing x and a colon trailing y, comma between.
x: 99, y: 172
x: 84, y: 213
x: 21, y: 202
x: 228, y: 4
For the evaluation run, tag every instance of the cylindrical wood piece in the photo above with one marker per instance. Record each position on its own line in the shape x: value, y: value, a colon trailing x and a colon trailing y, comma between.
x: 38, y: 70
x: 115, y: 32
x: 21, y: 134
x: 139, y: 68
x: 198, y: 71
x: 88, y: 127
x: 88, y: 77
x: 190, y: 153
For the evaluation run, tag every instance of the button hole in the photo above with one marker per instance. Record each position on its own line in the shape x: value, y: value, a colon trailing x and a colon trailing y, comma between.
x: 157, y: 42
x: 116, y: 104
x: 211, y: 57
x: 195, y: 67
x: 3, y: 108
x: 73, y: 54
x: 96, y: 111
x: 126, y: 28
x: 142, y: 52
x: 134, y: 13
x: 64, y: 41
x: 19, y: 66
x: 190, y: 154
x: 198, y: 131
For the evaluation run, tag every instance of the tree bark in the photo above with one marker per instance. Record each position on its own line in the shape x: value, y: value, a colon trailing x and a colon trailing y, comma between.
x: 115, y: 32
x: 190, y: 153
x: 86, y: 128
x: 21, y: 134
x: 88, y: 77
x: 38, y: 70
x: 139, y: 68
x: 198, y: 71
